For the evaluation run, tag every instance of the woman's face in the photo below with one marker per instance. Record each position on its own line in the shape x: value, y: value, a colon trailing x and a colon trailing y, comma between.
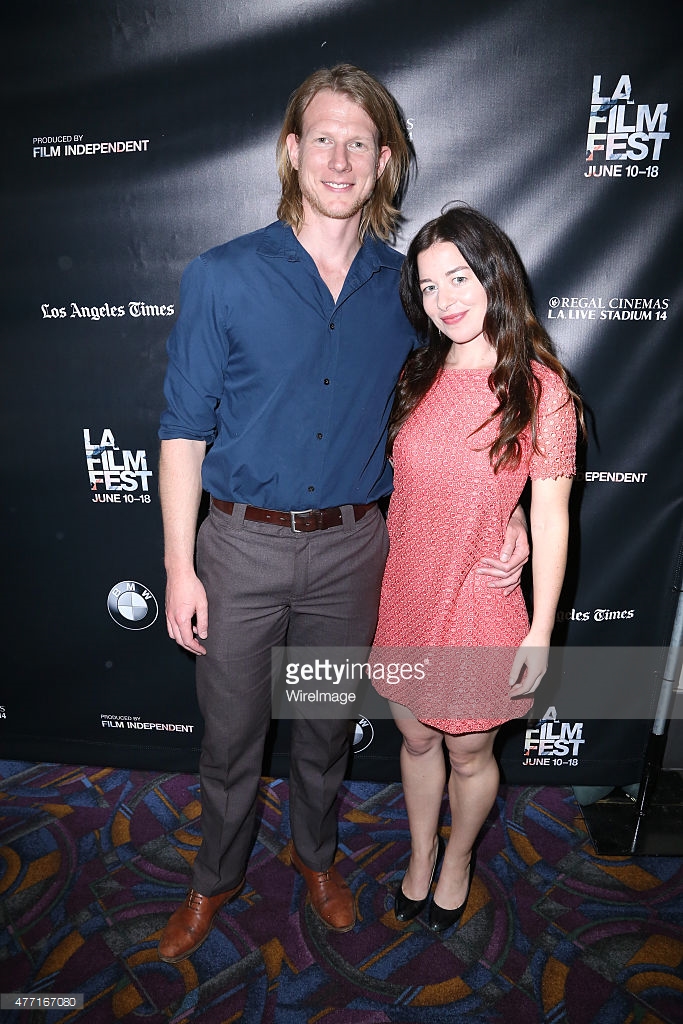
x: 452, y: 295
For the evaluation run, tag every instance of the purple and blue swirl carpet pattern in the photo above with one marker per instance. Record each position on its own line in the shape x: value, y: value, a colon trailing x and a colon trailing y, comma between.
x: 93, y: 860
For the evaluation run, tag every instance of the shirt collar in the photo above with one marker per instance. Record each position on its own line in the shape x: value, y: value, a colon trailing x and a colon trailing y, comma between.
x: 279, y: 241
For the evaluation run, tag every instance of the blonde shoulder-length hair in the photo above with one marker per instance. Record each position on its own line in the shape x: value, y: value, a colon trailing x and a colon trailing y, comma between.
x: 381, y: 214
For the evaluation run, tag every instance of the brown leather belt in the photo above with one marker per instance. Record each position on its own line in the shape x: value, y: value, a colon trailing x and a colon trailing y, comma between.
x: 305, y: 521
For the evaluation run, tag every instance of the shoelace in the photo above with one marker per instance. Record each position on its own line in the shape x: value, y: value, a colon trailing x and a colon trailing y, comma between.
x: 194, y: 900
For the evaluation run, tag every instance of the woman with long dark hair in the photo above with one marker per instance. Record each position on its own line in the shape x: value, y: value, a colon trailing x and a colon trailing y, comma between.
x: 482, y: 406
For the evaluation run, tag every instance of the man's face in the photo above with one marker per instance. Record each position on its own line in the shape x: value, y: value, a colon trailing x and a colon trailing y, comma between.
x: 337, y: 156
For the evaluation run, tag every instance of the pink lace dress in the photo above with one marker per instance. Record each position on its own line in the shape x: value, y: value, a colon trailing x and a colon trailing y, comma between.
x: 458, y: 636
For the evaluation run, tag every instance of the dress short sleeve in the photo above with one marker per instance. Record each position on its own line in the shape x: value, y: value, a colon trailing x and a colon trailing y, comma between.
x: 556, y: 429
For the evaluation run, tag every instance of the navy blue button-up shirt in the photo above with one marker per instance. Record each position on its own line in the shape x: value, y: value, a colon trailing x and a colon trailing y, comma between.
x: 291, y: 390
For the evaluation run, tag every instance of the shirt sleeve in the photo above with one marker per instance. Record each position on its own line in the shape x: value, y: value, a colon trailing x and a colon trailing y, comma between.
x: 556, y: 430
x: 197, y: 356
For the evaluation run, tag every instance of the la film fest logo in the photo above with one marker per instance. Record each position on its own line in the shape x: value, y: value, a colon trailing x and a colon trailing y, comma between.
x: 623, y: 134
x: 51, y: 146
x: 132, y: 605
x: 116, y: 474
x: 551, y: 742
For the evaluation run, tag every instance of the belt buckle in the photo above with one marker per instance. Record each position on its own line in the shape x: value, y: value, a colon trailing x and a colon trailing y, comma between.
x: 298, y: 512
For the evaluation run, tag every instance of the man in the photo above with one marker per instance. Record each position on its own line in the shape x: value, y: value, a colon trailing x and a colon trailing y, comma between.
x: 283, y: 362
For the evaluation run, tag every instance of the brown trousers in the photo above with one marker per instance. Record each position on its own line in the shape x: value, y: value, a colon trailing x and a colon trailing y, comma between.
x: 267, y: 587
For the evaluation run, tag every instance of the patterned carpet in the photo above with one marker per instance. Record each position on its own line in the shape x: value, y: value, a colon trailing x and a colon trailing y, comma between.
x: 93, y: 860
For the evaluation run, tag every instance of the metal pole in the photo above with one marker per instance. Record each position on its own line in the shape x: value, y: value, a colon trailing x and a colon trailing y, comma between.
x: 654, y: 755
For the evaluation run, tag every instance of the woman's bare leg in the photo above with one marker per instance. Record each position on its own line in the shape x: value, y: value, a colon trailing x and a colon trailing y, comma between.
x: 472, y: 789
x: 423, y: 773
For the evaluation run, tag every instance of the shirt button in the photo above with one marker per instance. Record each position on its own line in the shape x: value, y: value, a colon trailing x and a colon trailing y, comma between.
x: 311, y: 489
x: 332, y: 326
x: 327, y: 380
x: 319, y: 436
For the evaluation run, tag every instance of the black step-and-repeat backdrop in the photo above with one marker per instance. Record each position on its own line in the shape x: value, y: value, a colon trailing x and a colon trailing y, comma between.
x: 140, y: 133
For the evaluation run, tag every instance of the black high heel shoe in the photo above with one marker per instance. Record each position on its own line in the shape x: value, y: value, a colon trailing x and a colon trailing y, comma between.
x: 406, y: 909
x: 440, y: 919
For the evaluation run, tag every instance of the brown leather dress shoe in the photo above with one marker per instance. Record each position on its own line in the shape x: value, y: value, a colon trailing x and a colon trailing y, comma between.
x: 331, y: 898
x: 191, y: 923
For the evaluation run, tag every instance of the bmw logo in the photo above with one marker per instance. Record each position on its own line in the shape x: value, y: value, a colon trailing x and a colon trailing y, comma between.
x: 363, y: 736
x: 132, y: 606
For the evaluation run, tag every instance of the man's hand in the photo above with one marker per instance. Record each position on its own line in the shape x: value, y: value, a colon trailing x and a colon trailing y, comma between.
x: 187, y: 612
x: 506, y: 570
x: 180, y: 490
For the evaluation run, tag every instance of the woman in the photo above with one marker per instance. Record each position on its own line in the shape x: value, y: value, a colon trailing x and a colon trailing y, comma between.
x: 481, y: 407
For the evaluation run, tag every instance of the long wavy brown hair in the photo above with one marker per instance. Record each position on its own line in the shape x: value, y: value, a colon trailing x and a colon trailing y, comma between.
x: 510, y: 326
x: 381, y: 215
